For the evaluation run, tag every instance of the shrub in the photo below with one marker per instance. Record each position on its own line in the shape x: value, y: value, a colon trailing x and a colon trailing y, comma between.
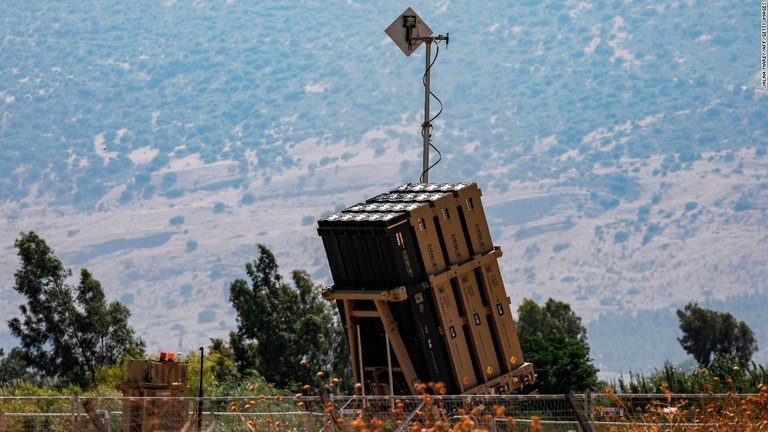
x: 206, y: 316
x: 248, y: 199
x: 191, y: 246
x: 176, y: 220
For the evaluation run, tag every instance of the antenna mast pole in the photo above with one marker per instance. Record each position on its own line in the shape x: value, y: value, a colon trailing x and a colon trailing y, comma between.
x: 408, y: 31
x: 426, y: 126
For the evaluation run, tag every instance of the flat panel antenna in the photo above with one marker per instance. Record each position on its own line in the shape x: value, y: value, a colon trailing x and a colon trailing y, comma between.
x: 408, y: 32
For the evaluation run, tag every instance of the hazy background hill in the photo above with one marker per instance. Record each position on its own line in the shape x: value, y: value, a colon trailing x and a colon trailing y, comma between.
x: 621, y: 149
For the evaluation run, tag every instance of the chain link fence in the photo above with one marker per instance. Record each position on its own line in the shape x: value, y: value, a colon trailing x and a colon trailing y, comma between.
x: 406, y: 413
x: 705, y: 412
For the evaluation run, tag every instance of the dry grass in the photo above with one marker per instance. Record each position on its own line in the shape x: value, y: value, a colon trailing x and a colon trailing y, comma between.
x: 706, y: 412
x: 711, y: 410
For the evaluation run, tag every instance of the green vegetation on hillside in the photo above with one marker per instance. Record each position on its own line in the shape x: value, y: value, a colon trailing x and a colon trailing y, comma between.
x: 639, y: 341
x: 66, y: 333
x: 71, y: 338
x: 285, y: 334
x: 100, y: 103
x: 724, y: 375
x: 96, y: 97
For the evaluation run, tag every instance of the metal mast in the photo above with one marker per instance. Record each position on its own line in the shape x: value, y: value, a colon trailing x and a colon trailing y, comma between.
x: 408, y: 31
x: 426, y: 127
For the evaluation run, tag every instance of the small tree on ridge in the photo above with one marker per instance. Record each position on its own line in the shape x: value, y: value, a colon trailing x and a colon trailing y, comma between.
x: 67, y: 333
x: 707, y: 332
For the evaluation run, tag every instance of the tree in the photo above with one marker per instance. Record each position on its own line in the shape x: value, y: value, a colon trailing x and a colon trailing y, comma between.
x: 561, y: 364
x: 706, y: 332
x: 14, y: 368
x: 554, y: 318
x: 220, y: 361
x: 67, y: 333
x: 286, y: 334
x: 553, y: 339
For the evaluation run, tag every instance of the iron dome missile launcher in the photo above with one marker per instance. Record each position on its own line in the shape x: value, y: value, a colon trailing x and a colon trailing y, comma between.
x: 419, y: 291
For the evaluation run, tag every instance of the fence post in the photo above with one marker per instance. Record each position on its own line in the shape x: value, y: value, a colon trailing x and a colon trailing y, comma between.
x: 585, y: 425
x: 74, y: 409
x: 200, y: 393
x: 404, y: 425
x: 95, y: 420
x: 2, y: 421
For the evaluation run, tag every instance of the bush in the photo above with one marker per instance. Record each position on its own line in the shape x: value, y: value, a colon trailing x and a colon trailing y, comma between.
x: 743, y: 204
x: 206, y: 316
x: 307, y: 220
x: 248, y: 199
x: 169, y: 179
x: 724, y: 375
x: 176, y: 220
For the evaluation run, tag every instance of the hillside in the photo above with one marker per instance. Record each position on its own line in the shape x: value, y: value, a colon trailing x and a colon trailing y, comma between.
x: 621, y: 148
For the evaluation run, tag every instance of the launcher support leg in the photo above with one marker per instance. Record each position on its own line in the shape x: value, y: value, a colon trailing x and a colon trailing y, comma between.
x: 398, y: 346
